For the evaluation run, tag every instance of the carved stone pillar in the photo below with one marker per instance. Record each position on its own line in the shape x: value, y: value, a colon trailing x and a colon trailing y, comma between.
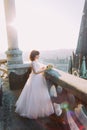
x: 14, y: 55
x: 17, y: 71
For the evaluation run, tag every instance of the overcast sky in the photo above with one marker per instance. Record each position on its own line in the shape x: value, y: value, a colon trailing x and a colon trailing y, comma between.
x: 46, y: 24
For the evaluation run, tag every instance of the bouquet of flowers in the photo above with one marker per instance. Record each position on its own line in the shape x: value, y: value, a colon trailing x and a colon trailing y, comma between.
x: 49, y: 67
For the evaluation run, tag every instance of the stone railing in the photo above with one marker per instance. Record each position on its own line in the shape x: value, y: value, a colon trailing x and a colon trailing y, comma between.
x: 75, y: 85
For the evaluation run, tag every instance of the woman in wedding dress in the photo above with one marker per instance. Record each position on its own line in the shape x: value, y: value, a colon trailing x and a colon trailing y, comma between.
x: 34, y: 100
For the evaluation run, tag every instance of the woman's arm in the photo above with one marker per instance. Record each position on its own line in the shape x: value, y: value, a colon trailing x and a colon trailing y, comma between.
x: 34, y: 68
x: 39, y: 71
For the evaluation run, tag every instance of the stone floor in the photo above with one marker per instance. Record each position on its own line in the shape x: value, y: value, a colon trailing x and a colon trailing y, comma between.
x: 9, y: 120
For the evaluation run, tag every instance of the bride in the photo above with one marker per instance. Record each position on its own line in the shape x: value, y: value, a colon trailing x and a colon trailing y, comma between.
x: 34, y: 100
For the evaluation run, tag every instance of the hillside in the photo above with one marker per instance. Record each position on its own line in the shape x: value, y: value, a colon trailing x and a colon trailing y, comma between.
x: 62, y: 53
x: 52, y: 54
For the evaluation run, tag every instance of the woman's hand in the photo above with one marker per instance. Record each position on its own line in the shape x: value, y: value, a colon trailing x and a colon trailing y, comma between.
x: 43, y: 68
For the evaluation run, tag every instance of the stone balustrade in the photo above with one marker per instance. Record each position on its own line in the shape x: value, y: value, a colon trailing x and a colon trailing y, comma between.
x: 75, y: 85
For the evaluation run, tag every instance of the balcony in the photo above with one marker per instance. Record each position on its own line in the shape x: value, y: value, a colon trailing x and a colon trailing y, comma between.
x: 73, y: 97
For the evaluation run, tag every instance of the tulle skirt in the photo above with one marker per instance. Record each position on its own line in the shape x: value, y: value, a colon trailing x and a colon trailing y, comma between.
x: 34, y: 100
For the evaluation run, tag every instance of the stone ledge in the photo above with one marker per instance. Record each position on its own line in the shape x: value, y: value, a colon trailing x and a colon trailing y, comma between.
x: 77, y: 86
x: 14, y: 66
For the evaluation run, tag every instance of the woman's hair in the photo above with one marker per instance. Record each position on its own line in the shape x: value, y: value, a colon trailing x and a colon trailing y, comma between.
x: 33, y: 54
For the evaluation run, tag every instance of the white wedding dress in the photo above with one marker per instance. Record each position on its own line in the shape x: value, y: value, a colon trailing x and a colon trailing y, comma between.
x: 34, y: 100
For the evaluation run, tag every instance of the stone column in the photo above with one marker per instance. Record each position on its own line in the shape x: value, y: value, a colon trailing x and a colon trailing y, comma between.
x: 14, y: 55
x: 17, y: 71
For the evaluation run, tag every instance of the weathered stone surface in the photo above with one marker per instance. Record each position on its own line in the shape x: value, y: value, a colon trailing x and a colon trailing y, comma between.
x: 18, y: 81
x: 77, y: 86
